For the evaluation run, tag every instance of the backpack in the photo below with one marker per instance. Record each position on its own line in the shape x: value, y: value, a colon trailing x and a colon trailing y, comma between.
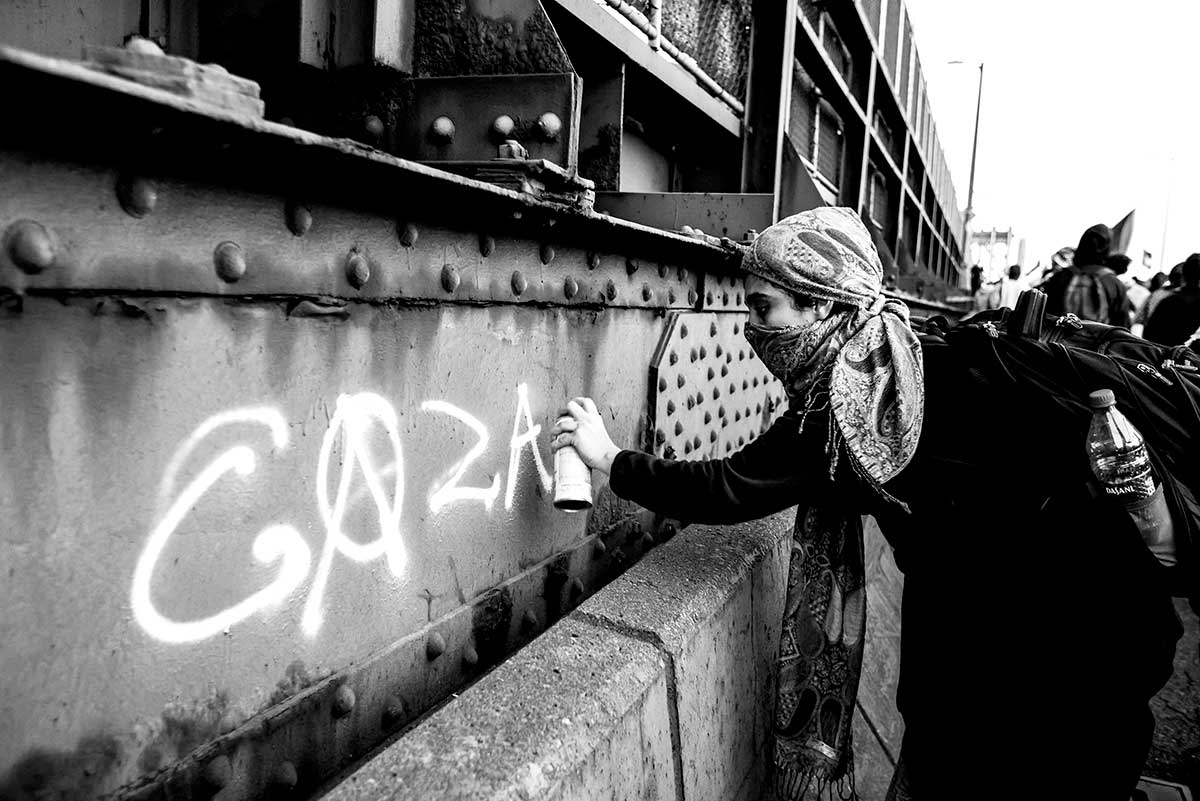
x: 1061, y: 359
x: 1085, y: 296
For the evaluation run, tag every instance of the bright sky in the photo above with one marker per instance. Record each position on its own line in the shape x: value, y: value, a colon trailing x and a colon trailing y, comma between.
x: 1091, y: 108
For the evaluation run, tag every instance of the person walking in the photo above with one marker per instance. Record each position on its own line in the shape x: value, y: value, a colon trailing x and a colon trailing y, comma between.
x: 1094, y: 292
x: 1035, y: 630
x: 1178, y: 314
x: 1011, y: 287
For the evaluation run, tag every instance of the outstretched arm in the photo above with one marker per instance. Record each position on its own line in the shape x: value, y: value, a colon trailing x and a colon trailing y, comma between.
x: 783, y: 467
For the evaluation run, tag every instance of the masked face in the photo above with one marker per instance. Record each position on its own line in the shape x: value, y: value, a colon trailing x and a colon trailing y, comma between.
x: 784, y: 334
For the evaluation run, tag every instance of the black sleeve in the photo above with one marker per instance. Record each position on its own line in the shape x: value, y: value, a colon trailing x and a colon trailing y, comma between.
x: 783, y: 467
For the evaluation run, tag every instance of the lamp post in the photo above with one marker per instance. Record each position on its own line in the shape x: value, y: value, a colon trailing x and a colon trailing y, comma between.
x: 970, y: 212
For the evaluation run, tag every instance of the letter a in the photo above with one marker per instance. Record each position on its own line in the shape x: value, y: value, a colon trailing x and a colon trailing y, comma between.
x: 518, y: 443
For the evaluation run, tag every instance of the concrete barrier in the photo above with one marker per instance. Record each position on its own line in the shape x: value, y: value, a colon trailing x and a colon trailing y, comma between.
x: 658, y: 687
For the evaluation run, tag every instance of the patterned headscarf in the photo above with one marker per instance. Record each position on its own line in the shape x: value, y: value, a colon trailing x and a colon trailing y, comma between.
x: 876, y: 381
x: 867, y: 360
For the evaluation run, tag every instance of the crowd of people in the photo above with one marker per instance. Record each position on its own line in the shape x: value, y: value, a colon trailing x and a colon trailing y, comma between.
x: 1095, y: 284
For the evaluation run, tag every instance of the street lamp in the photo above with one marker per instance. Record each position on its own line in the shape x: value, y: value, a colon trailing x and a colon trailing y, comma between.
x: 970, y: 212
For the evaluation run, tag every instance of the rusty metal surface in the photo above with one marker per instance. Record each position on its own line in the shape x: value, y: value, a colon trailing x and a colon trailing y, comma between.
x: 272, y: 472
x: 709, y: 394
x: 467, y: 118
x: 154, y: 132
x: 209, y: 505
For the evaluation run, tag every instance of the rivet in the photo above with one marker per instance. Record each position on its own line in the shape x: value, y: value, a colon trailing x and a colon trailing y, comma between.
x: 487, y: 245
x: 707, y: 418
x: 30, y: 246
x: 720, y: 411
x: 712, y: 436
x: 694, y: 355
x: 343, y: 701
x: 736, y: 328
x: 737, y: 416
x: 395, y: 712
x: 741, y: 355
x: 593, y: 260
x: 529, y: 622
x: 671, y: 296
x: 660, y: 437
x: 699, y: 397
x: 549, y: 126
x: 691, y: 403
x: 662, y: 271
x: 719, y: 352
x: 724, y: 370
x: 670, y: 407
x: 712, y: 331
x: 470, y: 656
x: 646, y: 293
x: 696, y: 442
x: 678, y: 428
x: 716, y: 393
x: 729, y: 357
x: 230, y: 262
x: 683, y: 331
x: 408, y: 234
x: 547, y: 253
x: 668, y: 530
x: 745, y: 383
x: 519, y: 284
x: 631, y: 265
x: 442, y: 130
x: 711, y: 373
x: 450, y: 278
x: 435, y: 646
x: 647, y: 541
x: 755, y: 382
x: 673, y: 358
x: 739, y: 298
x: 358, y: 270
x: 570, y: 287
x: 692, y: 297
x: 680, y: 381
x: 732, y: 389
x: 687, y: 447
x: 681, y: 273
x: 610, y: 290
x: 662, y: 385
x: 217, y: 772
x: 576, y: 590
x: 728, y: 447
x: 299, y: 218
x: 709, y: 298
x: 725, y: 298
x: 747, y: 411
x: 284, y: 775
x: 502, y: 127
x: 741, y: 442
x: 703, y: 352
x: 373, y: 126
x: 599, y: 549
x: 137, y: 195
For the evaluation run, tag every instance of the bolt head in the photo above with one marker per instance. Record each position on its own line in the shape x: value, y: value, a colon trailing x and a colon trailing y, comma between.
x: 646, y: 293
x: 230, y: 262
x: 519, y: 284
x: 284, y: 775
x: 299, y: 218
x: 343, y: 701
x: 30, y: 246
x: 408, y: 234
x: 503, y: 127
x: 529, y: 621
x: 373, y: 126
x: 546, y: 252
x: 570, y: 288
x: 143, y: 46
x: 450, y: 279
x: 435, y: 646
x: 549, y: 126
x: 487, y: 245
x: 137, y: 195
x: 358, y: 270
x: 442, y: 130
x: 394, y: 712
x: 470, y: 656
x: 217, y: 772
x: 610, y: 291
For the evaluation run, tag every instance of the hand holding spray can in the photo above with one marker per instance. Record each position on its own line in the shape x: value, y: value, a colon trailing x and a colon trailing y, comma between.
x: 572, y: 481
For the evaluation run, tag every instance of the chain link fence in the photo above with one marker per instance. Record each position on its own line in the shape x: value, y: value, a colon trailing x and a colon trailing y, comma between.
x: 714, y: 32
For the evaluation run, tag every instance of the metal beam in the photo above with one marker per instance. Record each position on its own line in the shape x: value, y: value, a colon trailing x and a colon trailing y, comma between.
x: 630, y: 41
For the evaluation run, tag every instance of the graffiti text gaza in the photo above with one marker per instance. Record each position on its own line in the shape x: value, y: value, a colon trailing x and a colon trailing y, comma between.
x: 355, y: 417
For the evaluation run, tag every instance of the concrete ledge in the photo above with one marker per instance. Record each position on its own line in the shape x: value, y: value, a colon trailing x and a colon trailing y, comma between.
x: 580, y: 713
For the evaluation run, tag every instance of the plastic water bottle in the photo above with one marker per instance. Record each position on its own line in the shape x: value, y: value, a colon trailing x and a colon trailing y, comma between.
x: 1117, y: 452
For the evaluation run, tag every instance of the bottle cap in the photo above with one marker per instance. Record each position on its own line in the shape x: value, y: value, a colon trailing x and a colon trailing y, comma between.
x: 1102, y: 399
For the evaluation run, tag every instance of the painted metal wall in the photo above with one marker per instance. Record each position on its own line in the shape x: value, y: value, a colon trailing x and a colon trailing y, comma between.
x: 274, y: 471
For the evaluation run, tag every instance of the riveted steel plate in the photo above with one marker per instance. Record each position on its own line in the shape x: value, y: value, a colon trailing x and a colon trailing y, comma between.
x: 723, y: 293
x: 541, y: 112
x: 106, y: 230
x: 709, y: 394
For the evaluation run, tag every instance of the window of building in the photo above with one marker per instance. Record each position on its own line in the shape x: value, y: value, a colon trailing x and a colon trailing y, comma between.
x: 831, y: 144
x: 839, y: 54
x: 879, y: 199
x: 802, y: 119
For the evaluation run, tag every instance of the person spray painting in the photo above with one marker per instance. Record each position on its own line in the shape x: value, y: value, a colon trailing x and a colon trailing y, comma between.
x: 1033, y: 629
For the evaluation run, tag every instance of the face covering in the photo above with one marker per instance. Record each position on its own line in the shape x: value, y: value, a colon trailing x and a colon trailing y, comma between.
x: 791, y: 351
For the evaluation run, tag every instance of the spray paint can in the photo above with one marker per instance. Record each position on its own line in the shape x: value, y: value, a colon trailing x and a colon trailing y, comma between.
x: 572, y: 481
